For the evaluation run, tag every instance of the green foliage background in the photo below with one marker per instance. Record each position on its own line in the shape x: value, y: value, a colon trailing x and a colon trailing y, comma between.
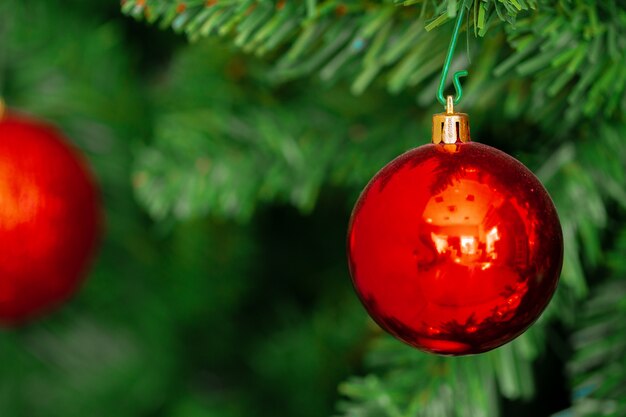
x: 228, y: 168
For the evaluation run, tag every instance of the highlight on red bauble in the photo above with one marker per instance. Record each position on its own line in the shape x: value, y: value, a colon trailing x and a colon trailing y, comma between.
x: 455, y: 249
x: 49, y: 219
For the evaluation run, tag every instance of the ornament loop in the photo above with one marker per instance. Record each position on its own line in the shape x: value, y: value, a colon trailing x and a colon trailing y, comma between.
x: 448, y: 61
x: 450, y: 105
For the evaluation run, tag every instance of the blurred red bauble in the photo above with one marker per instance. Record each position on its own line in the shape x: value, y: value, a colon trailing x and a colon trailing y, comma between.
x: 49, y: 219
x: 455, y: 248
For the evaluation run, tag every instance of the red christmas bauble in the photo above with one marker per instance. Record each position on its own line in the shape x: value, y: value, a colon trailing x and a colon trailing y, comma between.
x: 455, y: 249
x: 49, y: 219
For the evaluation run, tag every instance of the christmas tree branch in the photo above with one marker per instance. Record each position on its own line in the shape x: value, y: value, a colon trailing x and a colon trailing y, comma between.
x: 575, y: 58
x: 575, y: 51
x: 597, y: 367
x: 336, y: 39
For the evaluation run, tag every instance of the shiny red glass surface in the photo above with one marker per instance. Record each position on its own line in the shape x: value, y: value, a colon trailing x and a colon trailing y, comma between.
x: 49, y: 217
x: 455, y: 249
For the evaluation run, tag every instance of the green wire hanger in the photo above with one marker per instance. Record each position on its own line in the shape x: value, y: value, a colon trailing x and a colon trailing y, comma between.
x: 446, y: 65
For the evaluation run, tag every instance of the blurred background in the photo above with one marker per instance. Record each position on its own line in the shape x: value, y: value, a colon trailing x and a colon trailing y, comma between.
x: 228, y: 168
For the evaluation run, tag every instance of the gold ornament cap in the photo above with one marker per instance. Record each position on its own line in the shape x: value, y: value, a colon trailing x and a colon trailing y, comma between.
x: 450, y: 127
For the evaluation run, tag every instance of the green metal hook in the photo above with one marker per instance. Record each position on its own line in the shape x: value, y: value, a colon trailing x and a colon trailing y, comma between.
x: 446, y: 65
